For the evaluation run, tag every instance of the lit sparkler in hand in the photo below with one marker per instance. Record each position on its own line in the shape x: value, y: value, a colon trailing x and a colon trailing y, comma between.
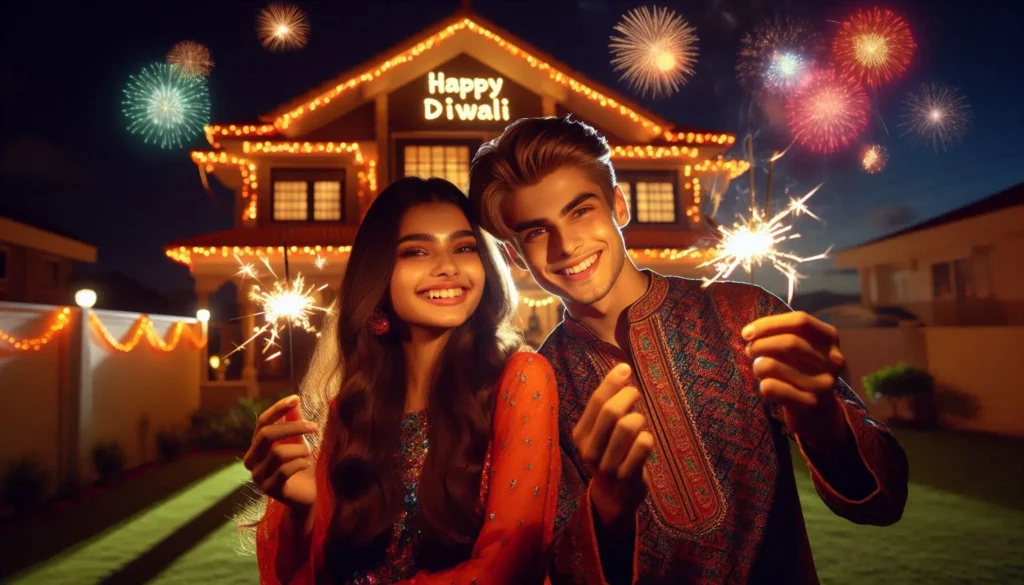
x: 284, y: 304
x: 755, y: 240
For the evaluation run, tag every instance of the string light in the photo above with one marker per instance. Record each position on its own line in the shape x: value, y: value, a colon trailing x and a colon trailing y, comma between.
x: 531, y: 302
x: 303, y: 148
x: 698, y: 138
x: 60, y: 321
x: 143, y: 328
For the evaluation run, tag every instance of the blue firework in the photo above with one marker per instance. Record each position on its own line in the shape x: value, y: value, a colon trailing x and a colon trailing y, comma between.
x: 164, y: 106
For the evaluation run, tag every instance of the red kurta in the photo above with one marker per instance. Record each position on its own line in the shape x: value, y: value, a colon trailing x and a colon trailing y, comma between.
x: 723, y: 505
x: 519, y: 490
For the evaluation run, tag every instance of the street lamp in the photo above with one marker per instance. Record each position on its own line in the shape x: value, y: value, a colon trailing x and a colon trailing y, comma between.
x: 203, y: 315
x: 85, y: 298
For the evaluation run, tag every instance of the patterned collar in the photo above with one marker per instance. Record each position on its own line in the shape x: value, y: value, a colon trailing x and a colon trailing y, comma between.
x: 647, y: 304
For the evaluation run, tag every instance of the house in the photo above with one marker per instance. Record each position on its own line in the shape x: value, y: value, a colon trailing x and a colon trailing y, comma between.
x: 36, y: 264
x: 305, y: 173
x: 961, y: 268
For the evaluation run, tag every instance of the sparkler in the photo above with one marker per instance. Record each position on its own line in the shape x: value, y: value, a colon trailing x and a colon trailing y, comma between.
x: 656, y: 52
x: 282, y: 27
x: 284, y: 303
x: 191, y: 59
x: 875, y: 46
x: 937, y: 114
x: 755, y: 240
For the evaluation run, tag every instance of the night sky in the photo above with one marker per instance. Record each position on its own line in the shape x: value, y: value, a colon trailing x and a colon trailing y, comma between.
x: 68, y: 164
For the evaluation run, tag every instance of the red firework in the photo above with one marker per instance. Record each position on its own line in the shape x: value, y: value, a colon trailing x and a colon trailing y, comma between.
x: 829, y: 112
x: 874, y: 46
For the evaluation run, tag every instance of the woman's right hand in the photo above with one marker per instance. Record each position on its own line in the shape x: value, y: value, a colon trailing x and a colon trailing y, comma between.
x: 280, y: 461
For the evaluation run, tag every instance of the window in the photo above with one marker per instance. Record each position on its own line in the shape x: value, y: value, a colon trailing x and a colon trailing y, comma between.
x: 447, y: 161
x: 651, y: 197
x: 3, y: 263
x: 51, y: 274
x: 942, y: 281
x: 308, y: 194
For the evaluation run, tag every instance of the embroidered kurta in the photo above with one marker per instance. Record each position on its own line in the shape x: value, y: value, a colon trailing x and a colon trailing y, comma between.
x: 722, y: 505
x: 518, y: 492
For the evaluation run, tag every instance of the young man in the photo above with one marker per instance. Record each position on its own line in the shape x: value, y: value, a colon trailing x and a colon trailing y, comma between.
x: 676, y: 400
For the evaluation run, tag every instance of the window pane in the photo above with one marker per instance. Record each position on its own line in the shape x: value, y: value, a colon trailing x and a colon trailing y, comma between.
x: 290, y: 201
x: 327, y: 200
x: 965, y: 288
x: 3, y: 264
x: 655, y: 202
x: 449, y: 162
x: 627, y: 193
x: 942, y: 285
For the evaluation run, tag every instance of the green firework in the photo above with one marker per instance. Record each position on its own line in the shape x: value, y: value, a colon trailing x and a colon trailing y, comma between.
x: 164, y: 106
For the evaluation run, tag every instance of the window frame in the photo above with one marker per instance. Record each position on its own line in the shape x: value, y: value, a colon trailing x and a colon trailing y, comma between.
x: 631, y: 178
x: 47, y: 261
x: 309, y: 175
x: 473, y: 145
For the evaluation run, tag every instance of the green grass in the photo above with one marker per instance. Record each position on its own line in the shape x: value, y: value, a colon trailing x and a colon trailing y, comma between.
x: 964, y: 523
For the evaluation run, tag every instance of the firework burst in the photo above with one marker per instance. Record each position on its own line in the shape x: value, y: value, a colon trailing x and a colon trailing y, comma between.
x: 283, y: 304
x: 191, y: 59
x: 828, y: 112
x: 875, y: 46
x: 166, y: 108
x: 657, y: 51
x: 937, y: 114
x: 282, y: 27
x: 873, y: 158
x: 753, y: 241
x: 776, y: 57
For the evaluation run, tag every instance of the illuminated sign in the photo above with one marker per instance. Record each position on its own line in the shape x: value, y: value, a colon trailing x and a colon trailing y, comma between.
x: 462, y: 97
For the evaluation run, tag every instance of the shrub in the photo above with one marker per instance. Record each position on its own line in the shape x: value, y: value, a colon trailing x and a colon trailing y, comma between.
x: 109, y: 460
x: 169, y: 444
x: 24, y: 484
x: 897, y: 382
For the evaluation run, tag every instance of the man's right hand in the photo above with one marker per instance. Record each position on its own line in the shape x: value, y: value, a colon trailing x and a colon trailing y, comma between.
x: 280, y: 461
x: 615, y: 447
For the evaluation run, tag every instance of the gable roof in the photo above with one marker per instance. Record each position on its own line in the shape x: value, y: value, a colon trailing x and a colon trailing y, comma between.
x: 1007, y: 198
x: 463, y: 22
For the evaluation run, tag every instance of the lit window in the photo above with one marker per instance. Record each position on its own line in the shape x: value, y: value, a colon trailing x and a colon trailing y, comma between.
x: 290, y: 201
x: 447, y: 161
x: 308, y: 195
x: 655, y: 203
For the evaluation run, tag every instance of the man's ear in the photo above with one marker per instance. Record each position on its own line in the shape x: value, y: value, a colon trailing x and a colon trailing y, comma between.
x: 620, y: 209
x: 513, y: 255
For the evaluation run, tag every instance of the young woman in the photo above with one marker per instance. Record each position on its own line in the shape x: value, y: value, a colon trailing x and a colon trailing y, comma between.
x: 439, y: 459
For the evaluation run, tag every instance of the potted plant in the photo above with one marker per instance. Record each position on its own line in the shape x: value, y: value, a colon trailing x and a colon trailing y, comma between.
x: 109, y: 459
x: 24, y: 484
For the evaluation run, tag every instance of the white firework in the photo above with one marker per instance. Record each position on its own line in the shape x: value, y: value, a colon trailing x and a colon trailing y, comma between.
x: 936, y: 114
x: 657, y: 51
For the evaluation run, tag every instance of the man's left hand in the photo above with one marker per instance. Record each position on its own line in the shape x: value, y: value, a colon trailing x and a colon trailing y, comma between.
x: 797, y: 360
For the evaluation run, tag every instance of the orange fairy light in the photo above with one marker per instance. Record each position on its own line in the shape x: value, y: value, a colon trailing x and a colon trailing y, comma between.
x: 60, y: 321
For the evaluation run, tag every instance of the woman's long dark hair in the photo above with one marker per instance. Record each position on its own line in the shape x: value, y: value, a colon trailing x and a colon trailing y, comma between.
x: 366, y: 484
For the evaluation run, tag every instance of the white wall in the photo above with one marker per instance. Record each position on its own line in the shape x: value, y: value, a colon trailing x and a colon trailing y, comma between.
x: 62, y: 400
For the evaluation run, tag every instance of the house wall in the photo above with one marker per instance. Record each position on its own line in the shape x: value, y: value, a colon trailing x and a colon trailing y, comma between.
x: 34, y: 276
x: 978, y: 382
x: 898, y: 272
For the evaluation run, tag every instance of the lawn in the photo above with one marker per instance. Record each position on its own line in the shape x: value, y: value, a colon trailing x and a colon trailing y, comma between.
x: 964, y: 523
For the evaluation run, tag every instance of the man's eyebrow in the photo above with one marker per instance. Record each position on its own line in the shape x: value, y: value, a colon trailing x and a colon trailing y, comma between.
x: 535, y: 223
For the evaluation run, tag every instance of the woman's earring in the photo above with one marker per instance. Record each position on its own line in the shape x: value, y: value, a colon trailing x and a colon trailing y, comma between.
x: 379, y: 324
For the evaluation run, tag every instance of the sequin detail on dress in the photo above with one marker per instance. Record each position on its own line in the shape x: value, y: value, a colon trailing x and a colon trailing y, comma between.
x: 400, y: 561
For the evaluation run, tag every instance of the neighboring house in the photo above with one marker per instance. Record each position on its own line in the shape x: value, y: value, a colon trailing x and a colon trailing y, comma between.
x: 36, y: 264
x: 305, y: 173
x: 962, y: 268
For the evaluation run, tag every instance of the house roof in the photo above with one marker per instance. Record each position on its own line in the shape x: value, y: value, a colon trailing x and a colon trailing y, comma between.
x: 464, y: 21
x: 35, y: 237
x: 272, y: 236
x: 1007, y: 198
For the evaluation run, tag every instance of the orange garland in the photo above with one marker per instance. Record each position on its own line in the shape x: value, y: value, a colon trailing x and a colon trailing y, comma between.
x: 60, y: 322
x: 143, y: 326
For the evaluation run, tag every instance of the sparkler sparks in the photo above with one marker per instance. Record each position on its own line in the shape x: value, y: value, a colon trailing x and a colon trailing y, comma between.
x: 755, y: 240
x: 657, y: 51
x: 283, y: 304
x: 320, y: 262
x: 875, y: 46
x: 937, y: 114
x: 282, y: 27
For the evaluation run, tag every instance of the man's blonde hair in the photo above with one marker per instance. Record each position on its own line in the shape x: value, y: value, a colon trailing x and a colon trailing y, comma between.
x: 527, y: 151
